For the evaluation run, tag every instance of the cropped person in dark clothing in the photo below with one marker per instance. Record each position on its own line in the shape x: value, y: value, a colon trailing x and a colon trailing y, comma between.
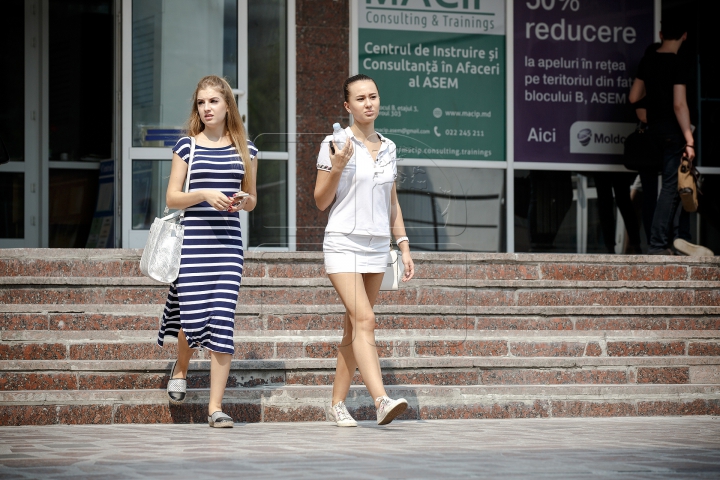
x: 649, y: 186
x: 661, y: 81
x: 618, y: 182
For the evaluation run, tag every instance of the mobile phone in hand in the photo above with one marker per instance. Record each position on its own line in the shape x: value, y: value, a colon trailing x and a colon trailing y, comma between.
x: 239, y: 196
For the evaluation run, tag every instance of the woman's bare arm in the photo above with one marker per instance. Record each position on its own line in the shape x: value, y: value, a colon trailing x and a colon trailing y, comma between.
x: 326, y: 184
x: 397, y: 227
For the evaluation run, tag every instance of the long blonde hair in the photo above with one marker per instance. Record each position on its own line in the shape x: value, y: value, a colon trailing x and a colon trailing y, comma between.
x: 233, y: 123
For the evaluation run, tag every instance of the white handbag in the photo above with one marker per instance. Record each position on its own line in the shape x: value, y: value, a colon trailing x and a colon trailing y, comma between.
x: 393, y: 272
x: 161, y: 256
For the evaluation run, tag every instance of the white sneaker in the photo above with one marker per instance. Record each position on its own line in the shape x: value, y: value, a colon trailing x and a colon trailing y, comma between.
x: 342, y: 416
x: 687, y: 248
x: 389, y: 409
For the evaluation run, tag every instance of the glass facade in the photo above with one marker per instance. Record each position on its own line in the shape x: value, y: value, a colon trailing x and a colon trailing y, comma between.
x: 167, y: 63
x: 12, y: 122
x: 452, y: 209
x: 174, y: 45
x: 267, y: 74
x: 81, y: 80
x: 149, y: 186
x: 60, y: 121
x: 267, y: 112
x: 74, y: 196
x: 12, y: 205
x: 12, y: 113
x: 579, y: 212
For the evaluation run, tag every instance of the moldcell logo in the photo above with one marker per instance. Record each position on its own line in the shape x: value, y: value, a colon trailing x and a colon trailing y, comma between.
x: 584, y: 136
x: 604, y: 138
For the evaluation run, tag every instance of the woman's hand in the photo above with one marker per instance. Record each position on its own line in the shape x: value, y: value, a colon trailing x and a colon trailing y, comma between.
x: 217, y: 200
x: 239, y: 200
x: 341, y: 157
x: 409, y: 266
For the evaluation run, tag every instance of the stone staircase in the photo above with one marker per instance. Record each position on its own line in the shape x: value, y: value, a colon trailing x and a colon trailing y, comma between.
x: 473, y: 336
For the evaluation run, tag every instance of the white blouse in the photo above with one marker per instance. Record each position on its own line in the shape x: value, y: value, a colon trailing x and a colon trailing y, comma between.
x: 362, y: 200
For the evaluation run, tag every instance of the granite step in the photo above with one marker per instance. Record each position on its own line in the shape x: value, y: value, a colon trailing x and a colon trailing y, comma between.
x: 499, y: 266
x: 326, y: 317
x: 311, y: 403
x: 499, y: 294
x: 473, y: 336
x: 109, y: 345
x: 16, y: 375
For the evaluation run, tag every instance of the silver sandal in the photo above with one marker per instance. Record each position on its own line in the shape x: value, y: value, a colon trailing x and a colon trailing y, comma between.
x: 220, y: 420
x: 176, y: 387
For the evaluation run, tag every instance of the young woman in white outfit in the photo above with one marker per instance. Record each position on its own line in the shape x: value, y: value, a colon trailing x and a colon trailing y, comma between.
x: 360, y: 180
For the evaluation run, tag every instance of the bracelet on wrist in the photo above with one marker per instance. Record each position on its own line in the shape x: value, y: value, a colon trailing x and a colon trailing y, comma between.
x: 398, y: 241
x: 691, y: 146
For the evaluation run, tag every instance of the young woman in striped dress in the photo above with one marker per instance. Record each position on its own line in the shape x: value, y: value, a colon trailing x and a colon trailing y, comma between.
x: 200, y: 308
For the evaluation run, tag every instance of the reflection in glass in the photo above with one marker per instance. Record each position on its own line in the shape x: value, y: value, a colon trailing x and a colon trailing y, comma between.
x: 73, y: 196
x: 452, y: 209
x: 268, y: 222
x: 149, y: 186
x: 174, y: 45
x: 557, y: 212
x: 12, y: 205
x: 709, y: 213
x: 267, y: 75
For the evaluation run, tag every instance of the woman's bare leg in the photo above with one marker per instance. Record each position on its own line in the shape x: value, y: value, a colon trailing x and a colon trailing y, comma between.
x: 219, y: 371
x: 346, y: 364
x: 358, y: 343
x: 185, y: 353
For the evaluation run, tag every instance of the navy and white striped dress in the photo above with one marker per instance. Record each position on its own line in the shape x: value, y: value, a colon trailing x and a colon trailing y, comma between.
x: 203, y: 298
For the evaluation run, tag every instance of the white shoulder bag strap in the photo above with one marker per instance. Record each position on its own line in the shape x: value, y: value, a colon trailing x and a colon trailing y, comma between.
x: 181, y: 213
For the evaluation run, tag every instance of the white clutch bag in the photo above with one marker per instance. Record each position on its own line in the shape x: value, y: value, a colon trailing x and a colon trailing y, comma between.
x: 393, y: 272
x: 161, y: 256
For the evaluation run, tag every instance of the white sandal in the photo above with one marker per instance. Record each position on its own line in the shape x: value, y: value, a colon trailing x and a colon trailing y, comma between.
x: 176, y: 387
x: 220, y: 420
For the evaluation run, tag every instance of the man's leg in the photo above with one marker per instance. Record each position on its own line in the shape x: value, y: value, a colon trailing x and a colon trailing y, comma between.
x: 669, y: 198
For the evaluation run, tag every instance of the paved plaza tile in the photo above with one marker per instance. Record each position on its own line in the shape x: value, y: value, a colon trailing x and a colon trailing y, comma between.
x: 653, y: 447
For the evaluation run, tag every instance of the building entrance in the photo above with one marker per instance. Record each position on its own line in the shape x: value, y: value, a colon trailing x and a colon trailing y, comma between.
x: 58, y: 122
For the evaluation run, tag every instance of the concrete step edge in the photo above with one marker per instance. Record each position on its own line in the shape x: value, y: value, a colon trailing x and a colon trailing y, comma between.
x: 71, y: 337
x: 133, y: 255
x: 300, y: 283
x: 292, y: 396
x: 300, y: 364
x: 270, y: 309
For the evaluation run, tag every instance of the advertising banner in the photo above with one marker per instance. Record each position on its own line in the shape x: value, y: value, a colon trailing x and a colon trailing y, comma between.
x: 440, y: 69
x: 574, y: 65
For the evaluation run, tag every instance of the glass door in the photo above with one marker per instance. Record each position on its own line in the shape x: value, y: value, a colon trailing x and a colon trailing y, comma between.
x: 176, y: 43
x: 57, y: 121
x: 81, y: 96
x: 173, y: 45
x: 20, y: 124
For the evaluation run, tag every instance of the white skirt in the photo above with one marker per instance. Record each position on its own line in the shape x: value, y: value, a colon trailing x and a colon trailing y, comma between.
x: 355, y: 253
